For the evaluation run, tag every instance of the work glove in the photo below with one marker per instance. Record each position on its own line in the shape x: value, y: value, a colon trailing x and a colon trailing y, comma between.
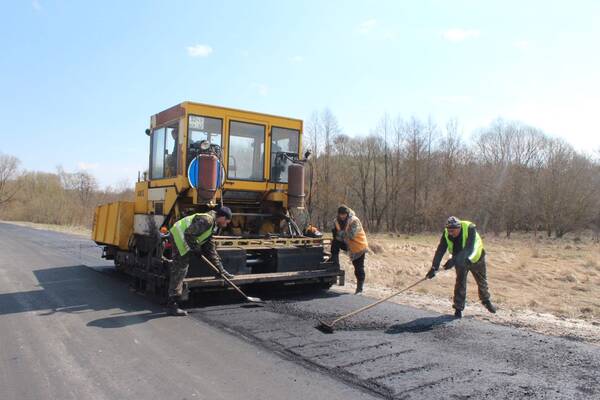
x: 431, y: 273
x: 337, y: 235
x: 449, y: 264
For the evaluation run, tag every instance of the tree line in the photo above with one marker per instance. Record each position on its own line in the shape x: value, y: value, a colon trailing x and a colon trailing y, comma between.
x: 61, y: 198
x: 409, y: 175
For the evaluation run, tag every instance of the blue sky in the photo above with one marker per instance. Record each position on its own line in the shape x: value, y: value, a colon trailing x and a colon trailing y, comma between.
x: 80, y: 79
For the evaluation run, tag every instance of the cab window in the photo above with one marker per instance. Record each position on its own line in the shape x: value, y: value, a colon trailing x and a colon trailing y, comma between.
x: 171, y: 139
x: 246, y: 158
x: 163, y: 154
x: 284, y: 145
x: 202, y: 128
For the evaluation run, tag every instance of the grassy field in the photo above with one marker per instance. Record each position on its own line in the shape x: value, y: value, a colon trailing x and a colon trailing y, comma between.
x: 542, y: 283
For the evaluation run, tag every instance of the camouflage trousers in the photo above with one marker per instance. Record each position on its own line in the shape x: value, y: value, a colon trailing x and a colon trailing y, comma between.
x: 179, y: 269
x: 460, y: 288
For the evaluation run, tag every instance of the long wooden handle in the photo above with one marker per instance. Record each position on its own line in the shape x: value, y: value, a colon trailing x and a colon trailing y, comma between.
x: 233, y: 285
x: 377, y: 302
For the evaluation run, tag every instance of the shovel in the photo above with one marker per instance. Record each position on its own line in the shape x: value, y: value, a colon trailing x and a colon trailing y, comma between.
x: 233, y: 285
x: 328, y: 327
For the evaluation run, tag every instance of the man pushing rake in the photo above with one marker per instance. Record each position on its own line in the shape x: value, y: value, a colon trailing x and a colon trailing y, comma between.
x: 461, y: 240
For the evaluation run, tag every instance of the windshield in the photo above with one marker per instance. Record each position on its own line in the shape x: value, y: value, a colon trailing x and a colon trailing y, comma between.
x: 202, y: 128
x: 205, y: 128
x: 284, y: 145
x: 246, y: 151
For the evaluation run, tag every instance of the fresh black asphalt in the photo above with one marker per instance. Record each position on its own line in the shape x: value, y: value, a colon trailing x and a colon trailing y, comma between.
x: 70, y: 328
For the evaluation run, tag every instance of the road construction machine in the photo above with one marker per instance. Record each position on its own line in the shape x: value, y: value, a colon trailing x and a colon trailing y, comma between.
x: 203, y: 156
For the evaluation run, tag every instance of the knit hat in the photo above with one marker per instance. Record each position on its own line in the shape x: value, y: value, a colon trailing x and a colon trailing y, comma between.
x: 453, y: 222
x: 224, y: 211
x: 343, y: 209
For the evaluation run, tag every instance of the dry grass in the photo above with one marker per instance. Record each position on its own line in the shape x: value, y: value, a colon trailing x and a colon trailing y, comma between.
x: 557, y: 277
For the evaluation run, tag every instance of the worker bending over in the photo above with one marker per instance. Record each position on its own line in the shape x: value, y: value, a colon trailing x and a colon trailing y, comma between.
x: 194, y: 235
x: 348, y: 235
x: 461, y: 240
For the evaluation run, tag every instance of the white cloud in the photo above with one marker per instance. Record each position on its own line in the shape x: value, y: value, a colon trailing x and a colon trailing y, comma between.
x: 199, y: 50
x: 37, y: 6
x: 367, y: 25
x: 261, y: 88
x: 458, y: 35
x: 296, y: 59
x: 87, y: 166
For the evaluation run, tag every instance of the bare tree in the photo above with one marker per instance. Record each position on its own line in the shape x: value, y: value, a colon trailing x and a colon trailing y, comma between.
x: 9, y: 166
x: 313, y: 133
x: 362, y: 154
x: 416, y: 147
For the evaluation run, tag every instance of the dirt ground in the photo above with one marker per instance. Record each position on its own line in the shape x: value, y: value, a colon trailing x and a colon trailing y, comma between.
x: 548, y: 285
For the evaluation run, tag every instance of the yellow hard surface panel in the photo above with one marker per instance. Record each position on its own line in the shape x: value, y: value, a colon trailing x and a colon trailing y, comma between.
x: 141, y: 197
x: 113, y: 223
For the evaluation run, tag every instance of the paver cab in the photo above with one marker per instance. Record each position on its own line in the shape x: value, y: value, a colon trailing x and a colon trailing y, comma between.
x: 202, y: 156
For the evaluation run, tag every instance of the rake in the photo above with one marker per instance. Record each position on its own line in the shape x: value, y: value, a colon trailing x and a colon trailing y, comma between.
x: 329, y: 327
x: 233, y: 285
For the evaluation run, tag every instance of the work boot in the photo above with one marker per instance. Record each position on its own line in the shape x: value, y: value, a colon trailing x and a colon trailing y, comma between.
x: 489, y: 306
x: 457, y: 314
x: 173, y: 309
x: 359, y: 287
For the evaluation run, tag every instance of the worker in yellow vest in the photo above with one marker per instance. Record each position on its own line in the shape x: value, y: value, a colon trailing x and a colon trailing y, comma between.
x: 463, y: 242
x: 348, y: 235
x: 194, y: 235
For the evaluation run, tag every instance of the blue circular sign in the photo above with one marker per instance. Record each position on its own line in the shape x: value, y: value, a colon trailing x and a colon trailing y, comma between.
x: 193, y: 173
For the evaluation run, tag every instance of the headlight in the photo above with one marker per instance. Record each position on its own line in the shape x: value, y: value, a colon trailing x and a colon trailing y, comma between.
x: 204, y: 145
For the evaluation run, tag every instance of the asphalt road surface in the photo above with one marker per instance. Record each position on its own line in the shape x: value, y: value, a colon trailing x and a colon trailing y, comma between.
x: 71, y: 329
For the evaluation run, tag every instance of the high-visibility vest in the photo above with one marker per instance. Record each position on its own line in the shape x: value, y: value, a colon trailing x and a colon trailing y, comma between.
x: 178, y: 233
x: 358, y: 243
x: 464, y: 230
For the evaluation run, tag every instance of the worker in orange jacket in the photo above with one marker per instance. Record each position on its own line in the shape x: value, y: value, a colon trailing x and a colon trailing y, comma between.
x: 348, y: 235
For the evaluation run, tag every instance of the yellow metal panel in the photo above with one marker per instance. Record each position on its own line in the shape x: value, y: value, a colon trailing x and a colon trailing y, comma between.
x: 222, y: 112
x: 113, y: 223
x: 276, y: 196
x: 125, y: 225
x: 180, y: 182
x: 106, y: 223
x: 101, y: 222
x: 141, y: 197
x: 170, y: 198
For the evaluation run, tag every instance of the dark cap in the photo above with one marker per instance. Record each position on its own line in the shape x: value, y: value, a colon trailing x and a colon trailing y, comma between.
x: 224, y: 211
x: 453, y: 222
x: 343, y: 209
